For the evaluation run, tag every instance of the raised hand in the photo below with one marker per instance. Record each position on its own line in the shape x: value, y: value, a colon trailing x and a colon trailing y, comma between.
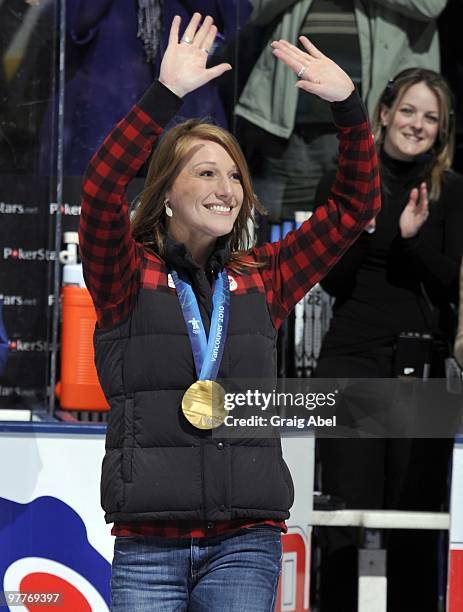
x: 183, y: 67
x: 415, y: 212
x: 317, y: 73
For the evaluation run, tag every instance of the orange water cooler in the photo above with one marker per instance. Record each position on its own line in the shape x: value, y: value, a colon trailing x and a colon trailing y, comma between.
x: 79, y: 387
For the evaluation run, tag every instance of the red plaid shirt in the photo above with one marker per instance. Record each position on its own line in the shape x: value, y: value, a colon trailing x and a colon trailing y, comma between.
x: 113, y: 260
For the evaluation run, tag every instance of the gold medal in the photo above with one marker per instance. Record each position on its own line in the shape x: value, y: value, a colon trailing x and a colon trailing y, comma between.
x: 203, y: 404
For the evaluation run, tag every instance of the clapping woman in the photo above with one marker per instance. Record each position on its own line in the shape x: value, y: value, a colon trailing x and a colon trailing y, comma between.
x: 398, y: 281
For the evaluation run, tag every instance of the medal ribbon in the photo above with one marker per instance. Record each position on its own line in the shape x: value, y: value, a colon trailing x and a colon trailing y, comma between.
x: 207, y: 352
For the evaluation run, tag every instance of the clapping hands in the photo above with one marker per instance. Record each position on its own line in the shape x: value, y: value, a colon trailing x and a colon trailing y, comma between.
x: 415, y: 212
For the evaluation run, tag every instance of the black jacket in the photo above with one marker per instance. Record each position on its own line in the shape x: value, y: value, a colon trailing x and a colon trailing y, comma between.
x: 157, y: 466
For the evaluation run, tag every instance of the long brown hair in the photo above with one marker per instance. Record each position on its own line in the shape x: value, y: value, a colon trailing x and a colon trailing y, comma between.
x: 149, y: 220
x: 444, y: 145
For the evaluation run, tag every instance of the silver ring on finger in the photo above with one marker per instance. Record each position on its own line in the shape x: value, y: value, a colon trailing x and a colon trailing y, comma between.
x: 301, y: 72
x: 186, y: 39
x: 205, y: 49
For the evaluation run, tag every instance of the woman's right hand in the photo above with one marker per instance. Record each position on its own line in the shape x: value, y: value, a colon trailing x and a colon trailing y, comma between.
x: 183, y: 67
x: 415, y: 212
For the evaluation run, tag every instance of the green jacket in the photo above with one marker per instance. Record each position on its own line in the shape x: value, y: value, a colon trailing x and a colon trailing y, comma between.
x: 394, y: 34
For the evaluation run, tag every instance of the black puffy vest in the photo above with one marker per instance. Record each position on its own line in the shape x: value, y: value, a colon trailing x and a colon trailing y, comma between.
x: 157, y: 466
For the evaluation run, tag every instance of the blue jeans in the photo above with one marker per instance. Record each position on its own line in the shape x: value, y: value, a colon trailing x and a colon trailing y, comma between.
x: 230, y: 573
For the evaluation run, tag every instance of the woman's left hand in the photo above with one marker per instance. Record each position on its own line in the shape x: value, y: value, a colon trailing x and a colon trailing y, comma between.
x: 317, y: 73
x: 415, y: 212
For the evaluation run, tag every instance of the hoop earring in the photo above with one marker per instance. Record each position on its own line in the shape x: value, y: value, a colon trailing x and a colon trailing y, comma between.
x: 168, y: 209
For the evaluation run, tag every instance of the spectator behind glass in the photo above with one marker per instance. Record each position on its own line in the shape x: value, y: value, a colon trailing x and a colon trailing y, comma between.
x: 400, y: 276
x: 27, y: 46
x: 294, y: 142
x: 113, y: 52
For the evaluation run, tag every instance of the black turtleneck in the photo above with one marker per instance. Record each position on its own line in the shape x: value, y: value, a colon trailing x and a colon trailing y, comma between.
x: 177, y: 257
x: 379, y: 282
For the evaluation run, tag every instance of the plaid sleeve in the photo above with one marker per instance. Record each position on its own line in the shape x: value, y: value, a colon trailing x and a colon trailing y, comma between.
x: 110, y: 257
x: 295, y: 264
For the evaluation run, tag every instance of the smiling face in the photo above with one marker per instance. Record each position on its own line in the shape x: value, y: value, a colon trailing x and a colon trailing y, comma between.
x: 206, y: 196
x: 413, y: 127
